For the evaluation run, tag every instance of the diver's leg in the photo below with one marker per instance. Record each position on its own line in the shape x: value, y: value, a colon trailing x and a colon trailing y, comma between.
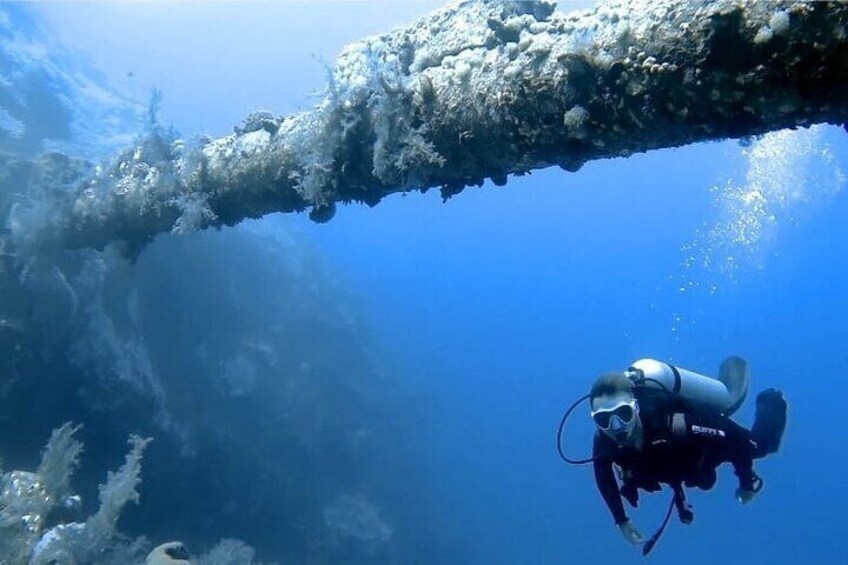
x: 720, y: 439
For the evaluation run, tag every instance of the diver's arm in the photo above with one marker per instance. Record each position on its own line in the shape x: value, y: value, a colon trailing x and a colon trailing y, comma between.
x: 741, y: 453
x: 607, y: 485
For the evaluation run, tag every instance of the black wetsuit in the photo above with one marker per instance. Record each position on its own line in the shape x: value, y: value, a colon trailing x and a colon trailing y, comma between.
x: 681, y: 446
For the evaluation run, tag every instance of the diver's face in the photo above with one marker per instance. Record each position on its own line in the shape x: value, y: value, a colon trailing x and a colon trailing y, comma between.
x: 616, y: 416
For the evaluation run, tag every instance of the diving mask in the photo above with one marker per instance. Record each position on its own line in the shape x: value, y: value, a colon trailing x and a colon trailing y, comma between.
x: 618, y: 419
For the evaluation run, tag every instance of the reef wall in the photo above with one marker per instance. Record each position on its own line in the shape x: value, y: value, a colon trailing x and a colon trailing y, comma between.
x: 279, y: 421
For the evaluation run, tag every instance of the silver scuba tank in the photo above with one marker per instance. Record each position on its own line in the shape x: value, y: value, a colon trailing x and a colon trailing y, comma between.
x: 723, y: 395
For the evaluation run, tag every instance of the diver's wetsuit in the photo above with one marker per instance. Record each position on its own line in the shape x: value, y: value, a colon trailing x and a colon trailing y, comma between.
x: 681, y: 446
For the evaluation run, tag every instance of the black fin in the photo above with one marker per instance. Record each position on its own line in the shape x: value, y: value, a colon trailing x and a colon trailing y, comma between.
x: 770, y: 421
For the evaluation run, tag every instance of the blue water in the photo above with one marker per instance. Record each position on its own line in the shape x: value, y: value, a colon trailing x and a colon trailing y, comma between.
x: 508, y: 302
x: 499, y: 307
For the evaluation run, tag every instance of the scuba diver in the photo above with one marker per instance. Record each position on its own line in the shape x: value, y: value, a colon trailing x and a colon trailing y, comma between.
x: 660, y: 424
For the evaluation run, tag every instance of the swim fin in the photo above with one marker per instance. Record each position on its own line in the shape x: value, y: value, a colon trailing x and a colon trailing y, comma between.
x: 734, y: 374
x: 769, y: 422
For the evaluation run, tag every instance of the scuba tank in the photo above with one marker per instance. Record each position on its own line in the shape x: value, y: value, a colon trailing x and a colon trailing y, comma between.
x: 722, y: 396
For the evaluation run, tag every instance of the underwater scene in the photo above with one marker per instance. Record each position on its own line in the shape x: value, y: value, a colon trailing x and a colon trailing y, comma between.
x: 423, y: 282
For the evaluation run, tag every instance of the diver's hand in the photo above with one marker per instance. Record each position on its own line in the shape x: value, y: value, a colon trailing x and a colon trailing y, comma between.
x: 744, y: 495
x: 630, y: 533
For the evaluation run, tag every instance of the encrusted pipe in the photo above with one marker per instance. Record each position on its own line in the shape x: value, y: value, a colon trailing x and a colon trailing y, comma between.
x: 483, y: 89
